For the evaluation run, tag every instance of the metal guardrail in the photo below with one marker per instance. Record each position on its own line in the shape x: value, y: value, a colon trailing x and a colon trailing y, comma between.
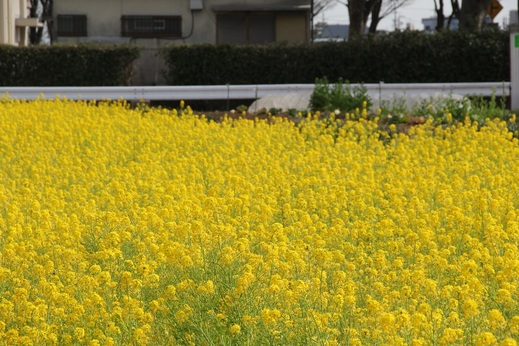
x: 235, y: 92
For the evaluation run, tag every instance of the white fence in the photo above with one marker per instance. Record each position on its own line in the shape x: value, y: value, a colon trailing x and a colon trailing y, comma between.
x: 235, y: 92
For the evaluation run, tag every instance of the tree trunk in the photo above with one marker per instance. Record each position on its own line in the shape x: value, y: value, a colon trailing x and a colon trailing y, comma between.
x: 375, y: 17
x: 455, y: 13
x: 34, y: 33
x: 473, y: 14
x: 455, y: 4
x: 356, y: 13
x: 47, y: 15
x: 440, y: 16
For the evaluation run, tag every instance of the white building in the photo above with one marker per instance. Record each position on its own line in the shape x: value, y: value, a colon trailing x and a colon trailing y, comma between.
x: 154, y: 24
x: 429, y: 24
x: 14, y: 22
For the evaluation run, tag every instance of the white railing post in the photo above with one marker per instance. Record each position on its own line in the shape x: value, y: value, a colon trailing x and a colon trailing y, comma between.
x: 380, y: 84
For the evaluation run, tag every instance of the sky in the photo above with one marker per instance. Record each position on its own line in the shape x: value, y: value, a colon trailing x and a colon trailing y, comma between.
x: 412, y: 14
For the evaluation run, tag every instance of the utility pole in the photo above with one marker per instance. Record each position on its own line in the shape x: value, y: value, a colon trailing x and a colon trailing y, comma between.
x: 312, y: 20
x: 396, y: 21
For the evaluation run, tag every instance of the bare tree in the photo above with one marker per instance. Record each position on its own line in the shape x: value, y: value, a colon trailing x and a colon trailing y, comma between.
x: 317, y: 7
x: 473, y: 14
x: 382, y: 9
x: 456, y: 12
x: 440, y: 16
x: 376, y: 17
x: 359, y: 12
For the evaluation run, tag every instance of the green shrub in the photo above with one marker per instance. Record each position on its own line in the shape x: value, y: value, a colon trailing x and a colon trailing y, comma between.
x: 67, y: 65
x: 341, y: 96
x: 398, y: 57
x: 395, y: 110
x: 489, y: 108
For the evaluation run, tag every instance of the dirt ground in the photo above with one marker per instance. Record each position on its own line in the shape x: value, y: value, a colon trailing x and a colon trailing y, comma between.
x: 383, y: 123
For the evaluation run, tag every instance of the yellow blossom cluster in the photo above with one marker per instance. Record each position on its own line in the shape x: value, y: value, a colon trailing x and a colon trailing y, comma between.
x: 150, y: 226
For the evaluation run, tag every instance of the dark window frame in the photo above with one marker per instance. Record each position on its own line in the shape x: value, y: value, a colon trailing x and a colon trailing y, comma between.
x: 72, y: 25
x: 151, y: 26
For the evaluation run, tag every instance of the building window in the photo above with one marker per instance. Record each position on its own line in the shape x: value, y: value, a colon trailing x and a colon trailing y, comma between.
x: 72, y: 25
x: 151, y: 26
x: 246, y: 27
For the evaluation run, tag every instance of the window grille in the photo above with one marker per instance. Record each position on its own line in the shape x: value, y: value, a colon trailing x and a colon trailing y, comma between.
x: 151, y: 26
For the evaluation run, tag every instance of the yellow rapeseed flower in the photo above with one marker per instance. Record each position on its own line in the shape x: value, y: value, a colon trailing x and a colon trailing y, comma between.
x: 153, y: 226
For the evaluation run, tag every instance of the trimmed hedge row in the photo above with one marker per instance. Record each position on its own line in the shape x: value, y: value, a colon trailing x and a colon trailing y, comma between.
x: 67, y: 65
x: 399, y: 57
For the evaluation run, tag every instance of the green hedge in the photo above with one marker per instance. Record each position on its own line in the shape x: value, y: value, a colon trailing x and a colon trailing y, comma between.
x: 67, y: 65
x: 399, y: 57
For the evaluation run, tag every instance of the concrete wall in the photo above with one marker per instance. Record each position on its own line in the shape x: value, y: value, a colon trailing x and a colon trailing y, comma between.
x: 105, y: 26
x: 103, y: 16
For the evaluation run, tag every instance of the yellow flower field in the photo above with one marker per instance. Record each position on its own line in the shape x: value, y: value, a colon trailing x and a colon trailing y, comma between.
x: 143, y: 226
